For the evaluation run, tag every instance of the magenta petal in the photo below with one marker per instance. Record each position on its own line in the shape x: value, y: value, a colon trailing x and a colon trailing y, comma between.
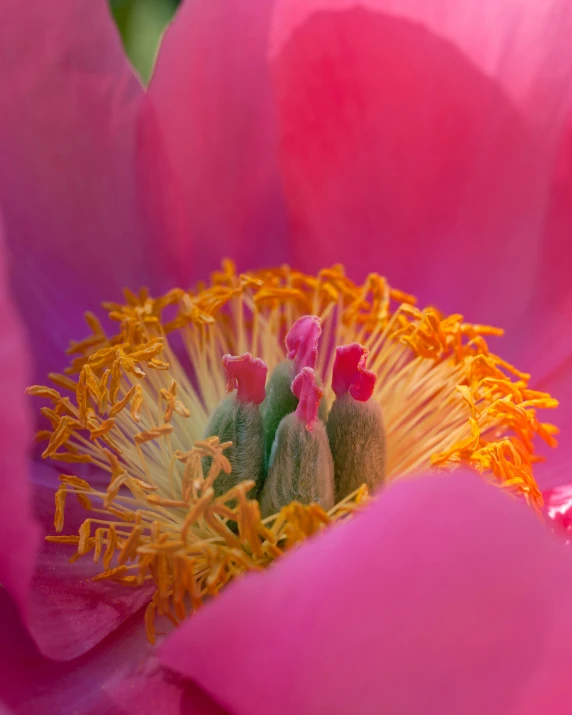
x: 19, y: 532
x: 69, y: 613
x: 77, y: 222
x: 543, y: 341
x: 212, y: 94
x: 445, y: 596
x: 418, y: 139
x: 121, y: 675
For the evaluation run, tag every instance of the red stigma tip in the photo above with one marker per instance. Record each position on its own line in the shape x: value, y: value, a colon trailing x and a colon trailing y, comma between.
x: 302, y: 342
x: 247, y: 375
x: 350, y: 375
x: 309, y: 395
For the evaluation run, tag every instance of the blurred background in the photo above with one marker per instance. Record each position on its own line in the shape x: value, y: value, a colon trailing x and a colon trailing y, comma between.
x: 141, y: 23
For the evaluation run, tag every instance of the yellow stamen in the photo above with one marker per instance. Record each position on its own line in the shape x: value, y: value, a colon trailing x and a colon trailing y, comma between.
x: 132, y: 410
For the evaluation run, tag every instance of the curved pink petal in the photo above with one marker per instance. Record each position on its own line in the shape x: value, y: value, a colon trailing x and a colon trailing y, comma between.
x: 543, y: 341
x: 418, y: 139
x: 68, y: 612
x: 77, y: 213
x: 445, y: 596
x: 121, y: 675
x: 432, y: 142
x: 212, y: 94
x: 19, y: 532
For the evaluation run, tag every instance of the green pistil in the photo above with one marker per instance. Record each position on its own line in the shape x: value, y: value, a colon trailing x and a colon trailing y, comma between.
x: 241, y: 424
x: 280, y: 401
x: 301, y: 467
x: 357, y: 440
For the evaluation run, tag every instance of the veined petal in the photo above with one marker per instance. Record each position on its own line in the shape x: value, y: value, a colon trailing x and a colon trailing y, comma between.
x: 122, y: 674
x: 444, y: 596
x: 69, y: 613
x: 76, y: 213
x: 19, y: 532
x: 421, y: 137
x: 212, y: 93
x: 542, y: 339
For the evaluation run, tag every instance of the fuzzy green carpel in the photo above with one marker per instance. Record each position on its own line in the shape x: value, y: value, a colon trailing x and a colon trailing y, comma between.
x: 301, y: 467
x: 281, y: 401
x: 357, y: 441
x: 239, y: 423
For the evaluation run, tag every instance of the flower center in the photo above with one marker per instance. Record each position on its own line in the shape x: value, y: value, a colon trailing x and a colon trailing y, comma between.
x: 188, y: 486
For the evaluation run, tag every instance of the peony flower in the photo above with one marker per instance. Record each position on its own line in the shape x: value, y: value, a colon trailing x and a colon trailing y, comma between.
x: 422, y: 141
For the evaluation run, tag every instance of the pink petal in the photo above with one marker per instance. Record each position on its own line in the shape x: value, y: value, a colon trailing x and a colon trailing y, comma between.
x: 77, y: 221
x: 418, y: 139
x: 432, y: 142
x: 19, y: 532
x: 69, y: 613
x: 212, y: 94
x: 121, y: 675
x: 543, y: 340
x: 445, y: 596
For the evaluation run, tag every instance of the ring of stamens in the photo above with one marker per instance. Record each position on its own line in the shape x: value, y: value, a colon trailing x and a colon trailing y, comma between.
x: 135, y: 404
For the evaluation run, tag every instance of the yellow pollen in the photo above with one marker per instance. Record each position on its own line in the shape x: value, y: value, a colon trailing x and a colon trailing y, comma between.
x: 136, y: 405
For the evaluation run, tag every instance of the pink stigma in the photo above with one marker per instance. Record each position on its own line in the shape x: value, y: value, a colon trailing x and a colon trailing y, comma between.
x: 302, y: 342
x: 309, y: 395
x: 350, y: 375
x: 247, y: 375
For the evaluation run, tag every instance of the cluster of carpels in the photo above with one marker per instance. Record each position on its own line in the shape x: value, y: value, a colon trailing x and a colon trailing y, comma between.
x: 283, y: 436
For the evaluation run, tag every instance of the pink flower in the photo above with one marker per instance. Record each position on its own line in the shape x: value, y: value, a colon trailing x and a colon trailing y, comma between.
x: 429, y: 141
